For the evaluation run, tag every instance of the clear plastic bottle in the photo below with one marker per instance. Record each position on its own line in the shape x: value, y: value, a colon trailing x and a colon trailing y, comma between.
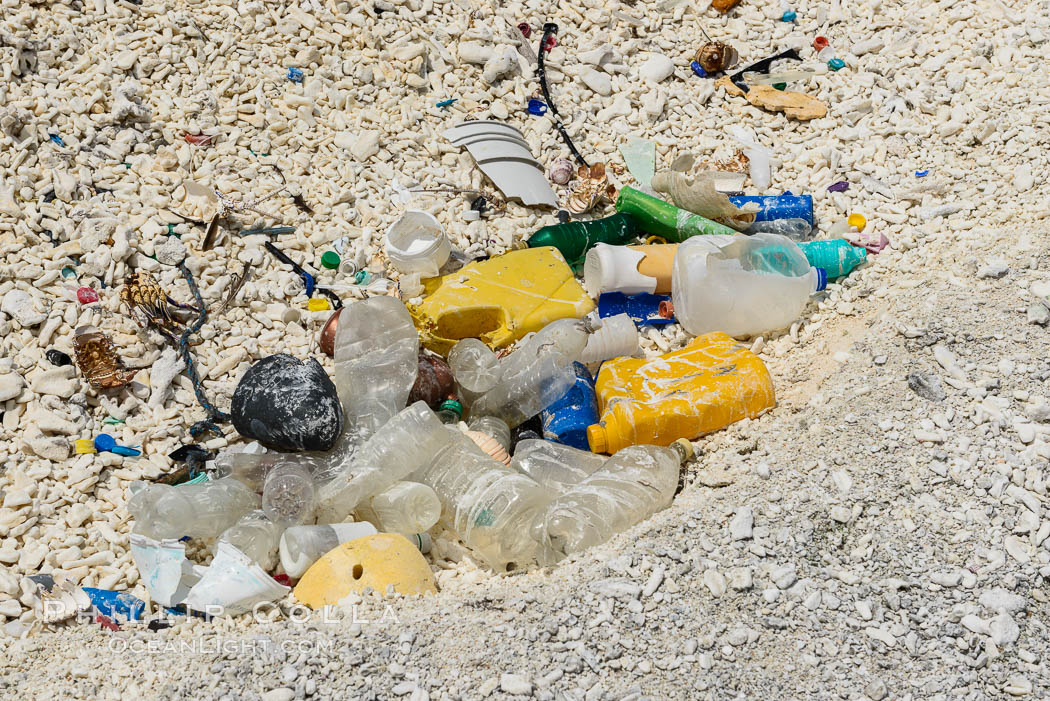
x: 302, y: 546
x: 556, y: 466
x: 794, y: 229
x: 616, y: 337
x: 536, y: 374
x: 255, y: 535
x: 488, y: 504
x: 201, y: 510
x: 629, y: 487
x: 475, y: 367
x: 741, y: 285
x: 493, y: 427
x: 405, y: 508
x: 404, y: 444
x: 289, y: 496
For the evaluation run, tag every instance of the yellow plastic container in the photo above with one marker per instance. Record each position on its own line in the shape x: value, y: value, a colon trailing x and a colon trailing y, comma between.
x: 701, y: 388
x: 499, y: 300
x: 376, y: 561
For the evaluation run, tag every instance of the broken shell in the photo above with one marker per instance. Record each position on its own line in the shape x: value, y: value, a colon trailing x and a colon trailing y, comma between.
x: 561, y: 172
x: 490, y: 445
x: 327, y: 340
x: 714, y: 56
x: 97, y: 358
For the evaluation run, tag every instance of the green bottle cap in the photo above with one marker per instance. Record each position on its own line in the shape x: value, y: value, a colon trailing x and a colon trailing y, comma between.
x: 330, y: 260
x: 453, y: 406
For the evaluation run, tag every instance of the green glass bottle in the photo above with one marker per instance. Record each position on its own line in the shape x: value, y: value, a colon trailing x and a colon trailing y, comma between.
x: 837, y: 256
x: 662, y: 219
x: 574, y: 239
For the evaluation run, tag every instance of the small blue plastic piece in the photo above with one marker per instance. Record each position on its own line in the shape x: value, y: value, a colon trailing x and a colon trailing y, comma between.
x: 644, y: 309
x: 126, y: 451
x: 566, y: 420
x: 310, y: 283
x: 921, y: 173
x: 789, y: 16
x: 447, y: 103
x: 116, y: 603
x: 295, y: 75
x: 836, y: 64
x: 57, y: 140
x: 537, y: 107
x: 105, y: 442
x: 698, y: 69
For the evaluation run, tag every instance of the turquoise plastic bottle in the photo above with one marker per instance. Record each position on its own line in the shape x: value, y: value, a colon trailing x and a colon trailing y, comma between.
x: 836, y: 256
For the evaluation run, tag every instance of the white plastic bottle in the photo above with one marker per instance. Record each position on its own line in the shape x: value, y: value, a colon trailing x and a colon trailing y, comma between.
x: 302, y: 546
x: 255, y: 535
x: 289, y: 496
x: 404, y: 507
x: 488, y: 504
x: 403, y: 445
x: 556, y: 466
x: 536, y: 374
x: 202, y: 510
x: 475, y: 367
x: 615, y: 338
x: 629, y: 487
x: 741, y: 285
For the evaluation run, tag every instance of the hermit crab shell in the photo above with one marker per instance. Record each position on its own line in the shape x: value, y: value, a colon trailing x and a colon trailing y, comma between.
x: 490, y: 445
x: 714, y: 56
x: 561, y: 171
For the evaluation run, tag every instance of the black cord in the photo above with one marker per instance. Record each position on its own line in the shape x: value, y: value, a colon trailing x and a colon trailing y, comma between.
x: 549, y: 29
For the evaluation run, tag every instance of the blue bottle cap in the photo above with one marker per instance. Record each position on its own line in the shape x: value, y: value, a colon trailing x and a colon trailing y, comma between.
x: 104, y: 442
x: 537, y: 107
x: 822, y: 279
x: 789, y: 16
x: 698, y: 69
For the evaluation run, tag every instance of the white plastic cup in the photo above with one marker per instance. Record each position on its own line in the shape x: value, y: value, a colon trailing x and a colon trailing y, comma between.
x: 416, y: 243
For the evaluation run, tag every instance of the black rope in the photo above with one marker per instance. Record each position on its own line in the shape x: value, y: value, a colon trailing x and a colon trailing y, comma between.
x: 215, y: 416
x: 550, y: 29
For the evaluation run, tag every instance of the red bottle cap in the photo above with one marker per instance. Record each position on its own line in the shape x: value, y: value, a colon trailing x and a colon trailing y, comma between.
x: 820, y: 43
x: 86, y: 295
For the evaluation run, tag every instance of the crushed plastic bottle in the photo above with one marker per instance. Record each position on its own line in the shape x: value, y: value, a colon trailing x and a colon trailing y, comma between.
x: 404, y: 507
x: 794, y: 229
x: 771, y: 207
x: 629, y: 487
x: 492, y: 435
x: 404, y: 444
x: 557, y: 467
x: 741, y: 285
x: 201, y: 510
x: 662, y: 219
x: 302, y: 546
x: 289, y: 495
x: 475, y: 367
x: 535, y: 375
x: 256, y: 535
x: 566, y: 420
x: 835, y: 256
x: 488, y: 504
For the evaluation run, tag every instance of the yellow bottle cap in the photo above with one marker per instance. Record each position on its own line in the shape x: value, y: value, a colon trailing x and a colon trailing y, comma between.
x: 857, y: 221
x: 596, y: 438
x: 318, y: 304
x: 85, y: 446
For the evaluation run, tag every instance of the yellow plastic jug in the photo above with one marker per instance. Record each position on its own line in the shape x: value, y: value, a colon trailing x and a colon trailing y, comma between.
x: 499, y: 300
x: 703, y: 387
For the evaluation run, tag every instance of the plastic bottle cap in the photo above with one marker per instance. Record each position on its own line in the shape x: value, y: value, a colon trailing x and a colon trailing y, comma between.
x: 687, y: 448
x: 789, y: 16
x: 820, y: 43
x: 836, y: 64
x: 318, y: 304
x: 104, y: 442
x: 83, y: 446
x: 596, y: 438
x: 698, y: 69
x: 822, y: 279
x: 330, y: 260
x: 68, y: 272
x: 453, y: 406
x: 86, y: 295
x: 857, y: 221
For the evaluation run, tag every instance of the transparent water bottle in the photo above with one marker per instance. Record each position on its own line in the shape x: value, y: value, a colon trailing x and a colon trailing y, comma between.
x: 255, y: 535
x: 488, y: 504
x: 202, y: 510
x: 403, y: 445
x: 555, y: 466
x: 741, y: 285
x: 404, y: 507
x: 289, y: 496
x: 302, y: 546
x: 492, y: 435
x: 475, y: 367
x: 794, y: 229
x: 629, y: 487
x: 536, y: 374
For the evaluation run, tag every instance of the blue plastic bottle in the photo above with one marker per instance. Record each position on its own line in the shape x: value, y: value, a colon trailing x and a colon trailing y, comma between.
x: 786, y: 206
x: 644, y: 309
x: 566, y: 420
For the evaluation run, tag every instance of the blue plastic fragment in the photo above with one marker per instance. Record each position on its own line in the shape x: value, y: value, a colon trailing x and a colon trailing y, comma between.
x: 295, y: 75
x: 698, y: 69
x: 566, y: 420
x: 447, y: 103
x: 57, y: 140
x: 537, y: 107
x: 921, y: 173
x: 126, y: 451
x: 116, y: 603
x: 308, y: 280
x: 789, y: 16
x: 644, y: 309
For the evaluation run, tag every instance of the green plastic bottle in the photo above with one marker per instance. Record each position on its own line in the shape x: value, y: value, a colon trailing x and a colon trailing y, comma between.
x: 836, y: 256
x: 662, y: 219
x: 574, y: 239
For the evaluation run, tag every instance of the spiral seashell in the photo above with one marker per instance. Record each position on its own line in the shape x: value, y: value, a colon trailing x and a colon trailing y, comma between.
x: 561, y: 171
x: 490, y: 445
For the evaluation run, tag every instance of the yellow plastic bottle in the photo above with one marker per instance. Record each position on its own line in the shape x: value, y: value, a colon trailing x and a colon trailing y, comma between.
x: 499, y: 300
x: 701, y: 388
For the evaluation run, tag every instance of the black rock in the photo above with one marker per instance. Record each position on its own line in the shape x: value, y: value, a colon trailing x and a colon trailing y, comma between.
x: 287, y: 405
